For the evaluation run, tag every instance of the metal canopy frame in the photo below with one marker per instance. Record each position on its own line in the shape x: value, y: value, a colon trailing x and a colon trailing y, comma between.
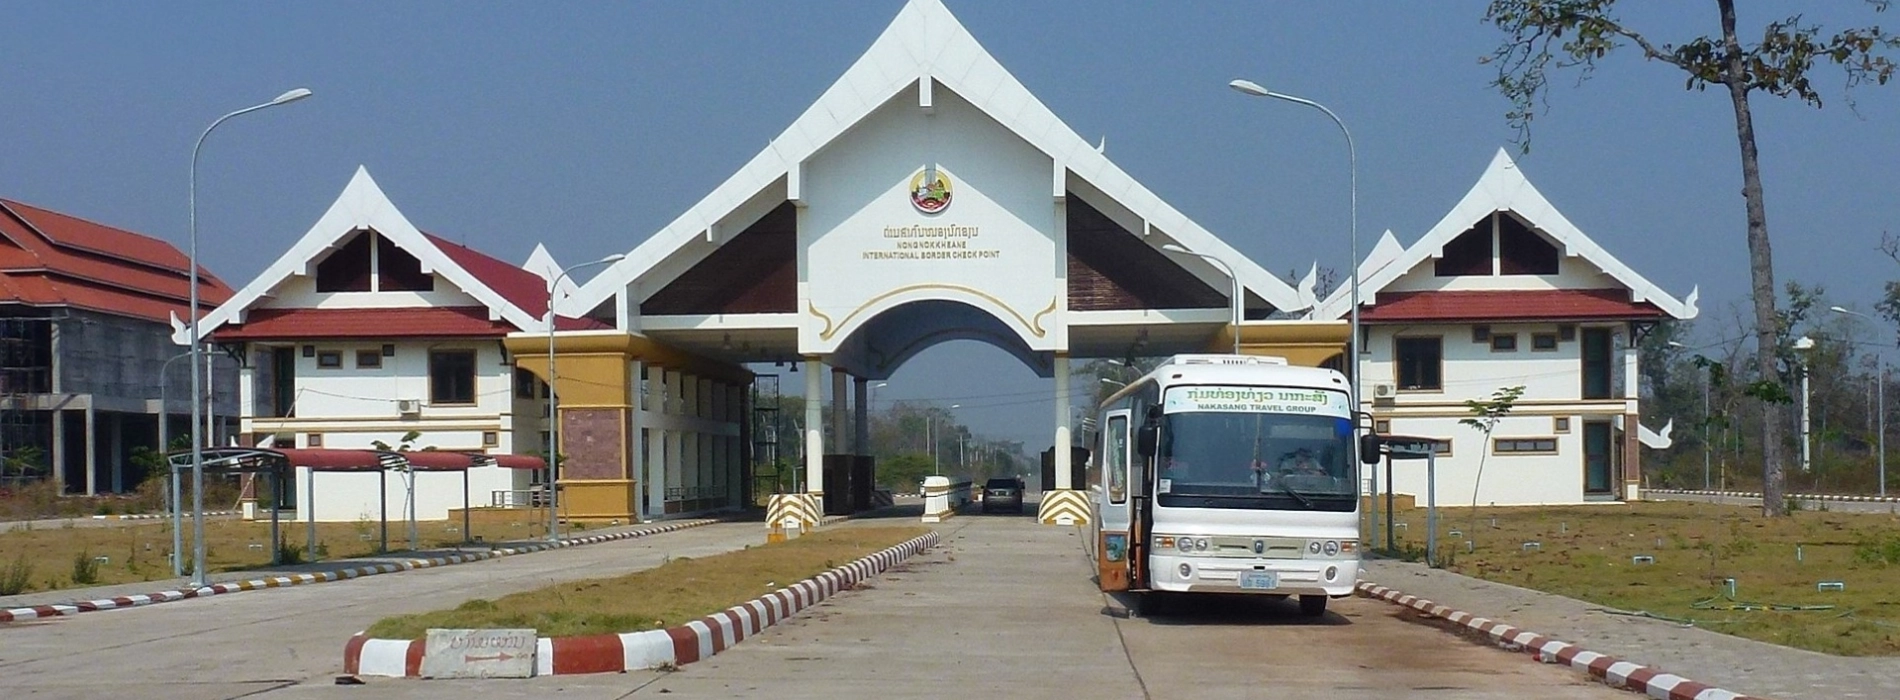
x: 279, y: 462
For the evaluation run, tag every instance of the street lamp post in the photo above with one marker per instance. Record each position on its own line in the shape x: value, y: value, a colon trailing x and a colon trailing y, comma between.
x: 554, y: 421
x: 1803, y: 345
x: 197, y: 347
x: 1249, y: 87
x: 1880, y: 391
x: 1222, y: 264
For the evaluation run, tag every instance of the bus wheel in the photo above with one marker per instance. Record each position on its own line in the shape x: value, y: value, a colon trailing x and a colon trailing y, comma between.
x: 1312, y: 605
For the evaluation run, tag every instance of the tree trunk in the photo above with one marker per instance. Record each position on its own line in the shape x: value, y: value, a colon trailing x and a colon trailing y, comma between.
x: 1760, y: 267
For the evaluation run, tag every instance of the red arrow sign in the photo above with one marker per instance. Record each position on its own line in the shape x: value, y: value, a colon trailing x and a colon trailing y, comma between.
x: 504, y: 656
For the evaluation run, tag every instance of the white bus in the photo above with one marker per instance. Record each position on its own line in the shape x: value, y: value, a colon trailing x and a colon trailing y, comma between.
x: 1227, y: 474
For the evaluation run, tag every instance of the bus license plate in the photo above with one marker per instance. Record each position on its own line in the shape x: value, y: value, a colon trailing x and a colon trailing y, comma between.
x: 1259, y: 580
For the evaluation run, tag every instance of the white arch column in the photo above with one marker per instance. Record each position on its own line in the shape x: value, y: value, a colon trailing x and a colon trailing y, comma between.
x: 815, y: 430
x: 1063, y: 505
x: 1063, y: 454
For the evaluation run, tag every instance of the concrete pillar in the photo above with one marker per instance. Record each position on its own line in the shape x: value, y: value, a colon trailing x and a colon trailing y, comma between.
x: 59, y: 449
x: 1632, y: 448
x: 655, y: 402
x: 840, y: 412
x: 116, y: 455
x: 636, y: 420
x: 1063, y: 453
x: 814, y: 427
x: 861, y: 426
x: 92, y: 452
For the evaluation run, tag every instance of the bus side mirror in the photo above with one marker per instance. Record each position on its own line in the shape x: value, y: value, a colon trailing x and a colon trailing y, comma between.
x: 1369, y: 449
x: 1145, y: 438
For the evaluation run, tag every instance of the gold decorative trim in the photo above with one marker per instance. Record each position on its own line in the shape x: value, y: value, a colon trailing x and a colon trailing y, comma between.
x: 831, y: 330
x: 826, y: 333
x: 1037, y: 324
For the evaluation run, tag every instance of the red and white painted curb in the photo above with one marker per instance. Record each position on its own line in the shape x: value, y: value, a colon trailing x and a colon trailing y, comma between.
x: 1609, y: 669
x: 74, y: 608
x: 1800, y: 496
x: 632, y: 651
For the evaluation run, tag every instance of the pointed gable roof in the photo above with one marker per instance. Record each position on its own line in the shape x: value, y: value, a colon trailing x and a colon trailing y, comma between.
x: 542, y: 264
x: 508, y: 294
x: 926, y: 46
x: 1503, y: 187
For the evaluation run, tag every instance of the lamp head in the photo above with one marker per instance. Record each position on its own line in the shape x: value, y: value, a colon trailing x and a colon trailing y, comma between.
x: 616, y: 257
x: 1250, y: 88
x: 291, y: 96
x: 1804, y: 343
x: 1840, y: 310
x: 1175, y: 248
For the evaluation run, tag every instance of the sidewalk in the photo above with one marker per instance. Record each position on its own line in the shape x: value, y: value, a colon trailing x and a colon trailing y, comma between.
x: 1737, y: 664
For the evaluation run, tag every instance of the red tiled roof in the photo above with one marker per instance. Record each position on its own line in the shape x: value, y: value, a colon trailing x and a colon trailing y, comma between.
x: 51, y: 259
x: 425, y: 322
x: 526, y: 290
x: 522, y: 288
x: 1508, y: 305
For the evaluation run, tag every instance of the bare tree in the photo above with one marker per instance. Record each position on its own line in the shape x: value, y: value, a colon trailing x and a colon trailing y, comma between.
x: 1545, y: 34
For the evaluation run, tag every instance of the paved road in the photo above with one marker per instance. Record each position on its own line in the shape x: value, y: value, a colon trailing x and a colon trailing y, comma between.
x: 1004, y: 608
x: 246, y: 643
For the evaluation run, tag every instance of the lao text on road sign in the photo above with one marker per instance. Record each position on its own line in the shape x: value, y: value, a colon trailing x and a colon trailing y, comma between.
x: 1408, y: 446
x: 450, y: 653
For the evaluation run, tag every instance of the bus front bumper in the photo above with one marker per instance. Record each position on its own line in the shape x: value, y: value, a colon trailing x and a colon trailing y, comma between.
x: 1331, y: 577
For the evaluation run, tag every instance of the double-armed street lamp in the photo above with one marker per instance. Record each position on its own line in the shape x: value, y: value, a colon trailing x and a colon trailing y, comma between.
x: 197, y: 346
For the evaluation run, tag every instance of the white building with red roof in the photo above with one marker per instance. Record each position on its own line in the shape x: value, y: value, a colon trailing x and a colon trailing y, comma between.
x: 368, y: 330
x: 87, y: 366
x: 1503, y: 292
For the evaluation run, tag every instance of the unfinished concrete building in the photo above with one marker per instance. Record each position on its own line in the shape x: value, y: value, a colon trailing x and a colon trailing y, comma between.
x: 88, y: 368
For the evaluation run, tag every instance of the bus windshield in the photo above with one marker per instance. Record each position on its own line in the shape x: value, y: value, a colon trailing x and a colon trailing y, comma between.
x: 1292, y: 450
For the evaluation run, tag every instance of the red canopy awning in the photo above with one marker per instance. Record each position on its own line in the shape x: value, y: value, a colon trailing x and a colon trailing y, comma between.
x: 519, y: 461
x: 439, y: 460
x: 325, y: 460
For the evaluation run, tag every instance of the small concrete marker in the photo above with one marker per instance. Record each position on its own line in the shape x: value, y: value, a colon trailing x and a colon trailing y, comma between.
x: 479, y: 653
x: 1642, y: 559
x: 1830, y: 586
x: 1528, y: 546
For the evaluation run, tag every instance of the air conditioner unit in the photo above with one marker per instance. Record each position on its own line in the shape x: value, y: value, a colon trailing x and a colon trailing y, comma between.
x: 408, y: 407
x: 1384, y: 391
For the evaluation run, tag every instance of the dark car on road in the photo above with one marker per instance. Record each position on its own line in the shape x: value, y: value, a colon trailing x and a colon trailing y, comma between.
x: 1003, y: 495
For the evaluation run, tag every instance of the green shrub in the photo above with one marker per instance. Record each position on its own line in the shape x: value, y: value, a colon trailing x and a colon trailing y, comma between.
x: 85, y: 569
x: 290, y: 553
x: 16, y: 578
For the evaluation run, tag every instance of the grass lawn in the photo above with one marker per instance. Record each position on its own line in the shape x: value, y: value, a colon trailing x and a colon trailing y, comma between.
x: 1587, y: 554
x: 139, y: 551
x: 674, y: 593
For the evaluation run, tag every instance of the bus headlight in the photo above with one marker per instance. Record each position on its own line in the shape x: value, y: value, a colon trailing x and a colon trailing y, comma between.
x: 1200, y: 544
x: 1331, y: 548
x: 1187, y: 571
x: 1312, y: 547
x: 1185, y: 543
x: 1332, y: 572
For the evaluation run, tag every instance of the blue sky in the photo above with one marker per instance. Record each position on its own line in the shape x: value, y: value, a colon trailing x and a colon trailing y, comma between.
x: 589, y: 126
